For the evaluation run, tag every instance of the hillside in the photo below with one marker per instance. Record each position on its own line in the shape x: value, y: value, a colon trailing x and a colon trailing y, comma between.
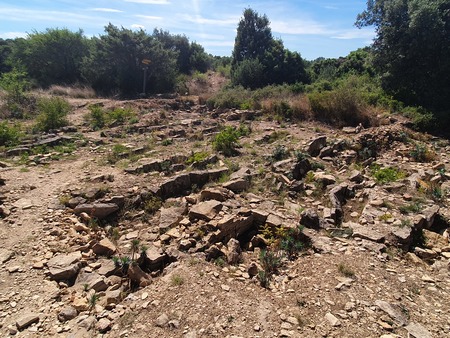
x: 187, y: 226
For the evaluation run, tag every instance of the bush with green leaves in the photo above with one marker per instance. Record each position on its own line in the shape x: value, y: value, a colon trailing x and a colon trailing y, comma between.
x: 421, y: 153
x: 386, y: 175
x: 99, y: 118
x: 17, y: 102
x: 270, y: 261
x: 53, y: 113
x: 9, y: 134
x: 226, y: 141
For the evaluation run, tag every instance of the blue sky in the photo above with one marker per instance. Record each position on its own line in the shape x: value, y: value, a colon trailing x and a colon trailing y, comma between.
x: 313, y: 28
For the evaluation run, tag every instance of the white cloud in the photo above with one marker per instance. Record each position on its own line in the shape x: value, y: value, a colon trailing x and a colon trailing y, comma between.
x: 367, y: 34
x: 300, y: 27
x: 28, y: 15
x: 217, y: 43
x: 217, y: 22
x: 149, y: 17
x: 109, y: 10
x: 150, y: 2
x: 136, y: 26
x: 13, y: 35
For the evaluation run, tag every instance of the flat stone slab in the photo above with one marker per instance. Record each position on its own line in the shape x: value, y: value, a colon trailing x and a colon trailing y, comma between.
x: 365, y: 232
x: 25, y: 321
x: 205, y: 210
x: 63, y: 267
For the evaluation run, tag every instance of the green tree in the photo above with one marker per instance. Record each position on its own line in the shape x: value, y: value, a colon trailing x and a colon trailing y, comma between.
x: 115, y: 62
x: 412, y: 49
x: 51, y: 57
x: 258, y: 59
x: 5, y: 51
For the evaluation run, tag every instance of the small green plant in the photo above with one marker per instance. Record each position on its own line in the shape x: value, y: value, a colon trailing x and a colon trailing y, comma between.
x: 279, y: 153
x: 346, y: 270
x: 385, y: 217
x: 117, y: 152
x: 134, y: 247
x: 197, y: 157
x: 386, y: 175
x: 292, y: 241
x: 406, y: 223
x: 93, y: 301
x: 317, y: 165
x: 264, y: 279
x: 300, y: 156
x: 167, y: 142
x: 96, y: 117
x: 53, y: 113
x: 219, y: 261
x: 177, y: 280
x: 10, y: 135
x: 412, y: 207
x: 421, y: 153
x: 152, y: 204
x: 86, y: 287
x: 270, y: 261
x: 226, y: 141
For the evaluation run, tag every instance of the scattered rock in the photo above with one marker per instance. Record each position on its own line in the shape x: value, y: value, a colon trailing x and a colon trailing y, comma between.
x: 26, y: 320
x: 64, y: 267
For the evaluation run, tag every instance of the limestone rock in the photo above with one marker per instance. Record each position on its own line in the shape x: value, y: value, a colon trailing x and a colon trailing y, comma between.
x: 237, y: 185
x: 316, y: 145
x: 205, y: 210
x: 365, y: 232
x: 310, y: 219
x: 417, y: 331
x: 394, y: 311
x: 138, y: 276
x: 332, y: 319
x: 170, y: 217
x: 97, y: 210
x: 104, y: 248
x: 63, y: 267
x: 234, y: 251
x: 162, y: 320
x: 216, y: 193
x: 67, y: 313
x: 26, y: 320
x: 104, y: 325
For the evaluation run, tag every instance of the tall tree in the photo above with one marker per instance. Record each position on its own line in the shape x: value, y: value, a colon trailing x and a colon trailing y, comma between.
x: 259, y: 59
x: 116, y: 62
x: 51, y: 57
x: 412, y: 48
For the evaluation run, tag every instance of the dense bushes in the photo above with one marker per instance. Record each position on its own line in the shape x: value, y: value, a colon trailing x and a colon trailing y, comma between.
x: 52, y: 113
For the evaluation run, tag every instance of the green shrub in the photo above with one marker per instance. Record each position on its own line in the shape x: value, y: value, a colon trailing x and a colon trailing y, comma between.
x: 293, y: 241
x: 346, y: 270
x: 197, y: 157
x: 279, y: 153
x: 413, y: 207
x: 421, y: 153
x: 52, y: 113
x: 9, y: 134
x: 226, y: 141
x: 152, y: 204
x: 386, y: 175
x: 120, y: 115
x: 97, y: 117
x: 15, y: 84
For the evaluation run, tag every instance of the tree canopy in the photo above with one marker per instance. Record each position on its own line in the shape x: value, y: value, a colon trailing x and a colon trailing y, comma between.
x: 412, y: 48
x: 258, y: 59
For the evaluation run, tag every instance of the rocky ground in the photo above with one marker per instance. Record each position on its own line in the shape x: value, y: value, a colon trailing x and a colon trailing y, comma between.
x: 144, y: 230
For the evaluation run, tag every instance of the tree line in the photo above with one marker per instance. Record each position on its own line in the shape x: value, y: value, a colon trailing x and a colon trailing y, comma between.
x: 110, y: 63
x: 409, y: 60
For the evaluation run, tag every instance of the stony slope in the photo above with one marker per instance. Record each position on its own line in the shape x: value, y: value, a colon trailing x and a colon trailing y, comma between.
x: 377, y: 264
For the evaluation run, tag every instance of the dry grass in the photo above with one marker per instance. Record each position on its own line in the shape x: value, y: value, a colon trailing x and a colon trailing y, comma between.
x: 78, y: 92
